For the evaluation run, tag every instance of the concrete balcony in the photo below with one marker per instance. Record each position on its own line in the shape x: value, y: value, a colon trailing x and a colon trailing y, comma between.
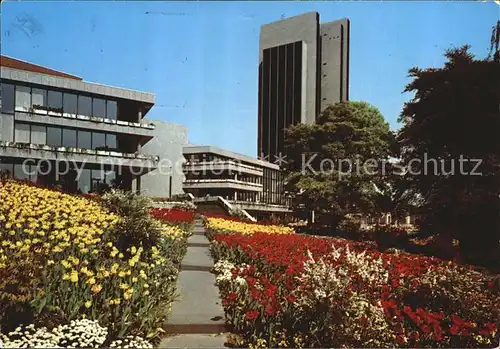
x: 221, y: 184
x: 260, y: 206
x: 221, y: 166
x: 84, y: 122
x: 45, y: 152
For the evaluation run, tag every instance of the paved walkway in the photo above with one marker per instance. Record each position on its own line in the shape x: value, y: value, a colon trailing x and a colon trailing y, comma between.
x: 197, y: 318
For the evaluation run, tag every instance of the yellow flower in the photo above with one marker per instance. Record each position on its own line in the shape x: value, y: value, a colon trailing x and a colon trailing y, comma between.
x: 122, y: 274
x: 91, y: 281
x: 128, y: 293
x: 88, y: 304
x: 96, y: 288
x: 74, y: 276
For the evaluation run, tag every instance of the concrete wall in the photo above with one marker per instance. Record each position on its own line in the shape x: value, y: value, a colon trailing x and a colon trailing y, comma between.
x: 299, y: 28
x: 168, y: 142
x: 334, y: 62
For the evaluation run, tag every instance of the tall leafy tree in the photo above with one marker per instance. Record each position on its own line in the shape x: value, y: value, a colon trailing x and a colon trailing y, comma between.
x: 327, y: 167
x: 495, y: 43
x: 451, y: 147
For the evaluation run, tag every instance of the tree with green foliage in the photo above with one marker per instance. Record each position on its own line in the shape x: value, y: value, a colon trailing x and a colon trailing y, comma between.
x: 495, y: 43
x: 326, y: 164
x: 451, y: 147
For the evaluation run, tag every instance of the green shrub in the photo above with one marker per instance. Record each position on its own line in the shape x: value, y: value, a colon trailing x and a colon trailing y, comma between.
x: 350, y: 228
x: 137, y: 226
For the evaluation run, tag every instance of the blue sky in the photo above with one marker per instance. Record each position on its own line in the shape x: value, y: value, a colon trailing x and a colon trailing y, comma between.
x: 201, y: 58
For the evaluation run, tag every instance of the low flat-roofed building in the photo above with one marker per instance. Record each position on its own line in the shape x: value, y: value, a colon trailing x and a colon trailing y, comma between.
x: 213, y: 174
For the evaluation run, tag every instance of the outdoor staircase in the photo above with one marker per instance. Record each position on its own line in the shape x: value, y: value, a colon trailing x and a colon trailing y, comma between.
x: 197, y: 318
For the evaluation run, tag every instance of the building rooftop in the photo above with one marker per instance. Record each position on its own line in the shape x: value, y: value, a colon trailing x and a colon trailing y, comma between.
x: 15, y: 69
x: 208, y: 149
x: 13, y: 63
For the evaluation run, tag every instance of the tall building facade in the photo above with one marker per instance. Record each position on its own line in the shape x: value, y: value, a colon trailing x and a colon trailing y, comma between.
x: 303, y: 68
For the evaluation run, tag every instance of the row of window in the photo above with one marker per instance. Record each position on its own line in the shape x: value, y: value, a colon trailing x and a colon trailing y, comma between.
x: 63, y: 137
x: 24, y: 97
x: 195, y: 158
x: 246, y: 196
x: 87, y: 182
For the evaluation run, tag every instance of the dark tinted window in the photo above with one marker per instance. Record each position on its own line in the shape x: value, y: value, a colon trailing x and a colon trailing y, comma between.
x: 111, y: 141
x: 23, y: 97
x: 7, y: 98
x: 8, y: 169
x: 98, y: 140
x: 84, y: 181
x: 110, y: 177
x: 38, y: 97
x: 99, y: 108
x: 84, y: 140
x: 112, y: 110
x: 54, y: 100
x: 22, y: 172
x: 38, y: 134
x: 21, y: 133
x: 70, y: 103
x: 54, y: 136
x: 84, y: 106
x: 69, y: 138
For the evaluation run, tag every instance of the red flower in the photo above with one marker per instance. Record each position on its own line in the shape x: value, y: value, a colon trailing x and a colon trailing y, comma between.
x: 401, y: 339
x: 415, y: 336
x: 252, y: 315
x: 426, y: 329
x: 454, y: 330
x: 270, y: 310
x: 488, y: 329
x: 457, y: 321
x: 231, y: 296
x: 291, y: 298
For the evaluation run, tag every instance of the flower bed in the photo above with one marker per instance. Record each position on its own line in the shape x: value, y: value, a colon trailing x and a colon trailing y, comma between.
x: 304, y: 291
x: 62, y: 259
x: 174, y: 216
x: 228, y: 225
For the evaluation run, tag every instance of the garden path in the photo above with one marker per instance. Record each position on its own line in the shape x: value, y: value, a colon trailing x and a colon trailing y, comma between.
x: 197, y: 318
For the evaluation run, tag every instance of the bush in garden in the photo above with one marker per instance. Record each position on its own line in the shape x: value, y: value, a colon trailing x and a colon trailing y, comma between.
x: 388, y: 236
x: 136, y: 225
x: 351, y: 229
x: 237, y: 212
x: 185, y: 206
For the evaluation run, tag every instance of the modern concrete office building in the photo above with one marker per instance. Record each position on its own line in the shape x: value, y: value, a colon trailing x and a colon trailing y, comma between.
x: 232, y: 179
x: 303, y: 68
x: 56, y: 128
